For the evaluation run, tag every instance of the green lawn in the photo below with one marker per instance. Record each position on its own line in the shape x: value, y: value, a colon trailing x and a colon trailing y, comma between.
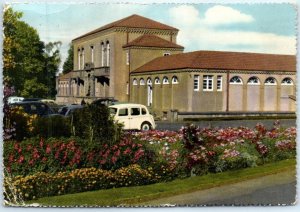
x: 134, y: 195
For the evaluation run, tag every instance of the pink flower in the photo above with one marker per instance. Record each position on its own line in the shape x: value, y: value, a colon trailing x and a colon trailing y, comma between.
x: 48, y: 149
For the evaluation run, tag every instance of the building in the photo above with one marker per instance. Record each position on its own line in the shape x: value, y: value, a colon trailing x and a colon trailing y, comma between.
x: 138, y: 60
x: 212, y: 81
x: 104, y: 58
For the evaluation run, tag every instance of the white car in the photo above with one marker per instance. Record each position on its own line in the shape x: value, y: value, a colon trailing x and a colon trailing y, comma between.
x: 133, y: 116
x: 14, y: 99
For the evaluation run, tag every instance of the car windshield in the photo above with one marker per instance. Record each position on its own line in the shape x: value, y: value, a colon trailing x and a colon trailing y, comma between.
x: 113, y: 110
x: 63, y: 111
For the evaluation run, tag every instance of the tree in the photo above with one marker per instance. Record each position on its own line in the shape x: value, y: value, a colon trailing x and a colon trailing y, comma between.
x: 29, y: 65
x: 68, y: 64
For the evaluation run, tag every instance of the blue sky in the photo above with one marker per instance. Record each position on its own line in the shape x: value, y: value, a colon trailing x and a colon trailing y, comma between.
x: 265, y: 28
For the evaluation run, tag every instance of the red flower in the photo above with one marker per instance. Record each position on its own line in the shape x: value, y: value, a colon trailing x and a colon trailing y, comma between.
x: 21, y: 159
x: 44, y: 159
x: 41, y: 142
x: 114, y: 159
x: 11, y: 158
x: 127, y: 151
x: 48, y: 149
x: 117, y: 153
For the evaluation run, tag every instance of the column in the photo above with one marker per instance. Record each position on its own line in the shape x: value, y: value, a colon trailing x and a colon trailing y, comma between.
x: 278, y: 102
x: 245, y: 103
x: 262, y: 97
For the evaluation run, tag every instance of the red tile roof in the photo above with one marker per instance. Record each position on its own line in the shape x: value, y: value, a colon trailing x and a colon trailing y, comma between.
x: 221, y: 60
x: 133, y: 21
x: 152, y: 41
x: 65, y: 76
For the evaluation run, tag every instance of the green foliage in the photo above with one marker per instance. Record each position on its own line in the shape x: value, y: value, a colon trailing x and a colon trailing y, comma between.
x: 68, y: 64
x: 95, y: 124
x: 29, y: 65
x: 52, y: 126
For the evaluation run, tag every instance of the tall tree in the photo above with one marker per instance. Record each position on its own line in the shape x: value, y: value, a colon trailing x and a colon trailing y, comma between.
x: 26, y: 59
x: 68, y: 64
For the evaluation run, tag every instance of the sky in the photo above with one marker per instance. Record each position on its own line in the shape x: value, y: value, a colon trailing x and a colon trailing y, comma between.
x: 262, y: 28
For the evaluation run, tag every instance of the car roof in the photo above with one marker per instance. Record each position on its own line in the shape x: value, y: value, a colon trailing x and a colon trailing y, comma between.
x: 29, y: 102
x: 127, y: 105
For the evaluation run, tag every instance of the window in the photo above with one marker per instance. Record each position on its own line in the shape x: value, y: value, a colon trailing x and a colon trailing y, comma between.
x: 149, y: 81
x: 174, y: 80
x: 113, y: 111
x: 134, y: 82
x: 287, y: 81
x: 127, y: 58
x: 102, y: 54
x: 82, y: 53
x: 207, y: 83
x: 165, y: 80
x: 270, y: 81
x: 166, y: 53
x: 157, y: 81
x: 196, y: 82
x: 142, y: 81
x: 108, y: 53
x: 79, y: 58
x: 92, y: 54
x: 219, y: 83
x: 123, y: 112
x: 253, y: 81
x: 144, y: 111
x: 236, y: 80
x: 135, y: 111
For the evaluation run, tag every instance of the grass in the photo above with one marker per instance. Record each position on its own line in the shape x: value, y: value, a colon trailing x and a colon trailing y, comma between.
x: 134, y: 195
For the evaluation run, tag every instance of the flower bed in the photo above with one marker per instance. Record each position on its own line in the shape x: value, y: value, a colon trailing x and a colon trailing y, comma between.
x: 44, y: 184
x: 191, y: 151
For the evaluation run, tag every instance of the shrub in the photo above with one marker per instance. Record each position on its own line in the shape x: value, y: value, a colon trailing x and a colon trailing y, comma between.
x: 52, y: 126
x: 94, y: 123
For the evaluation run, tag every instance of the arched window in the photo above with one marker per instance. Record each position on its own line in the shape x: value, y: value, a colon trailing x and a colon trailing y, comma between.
x: 165, y: 80
x: 102, y: 54
x: 253, y: 81
x: 79, y: 58
x: 108, y: 53
x: 236, y: 80
x: 142, y: 81
x: 82, y: 53
x: 174, y: 80
x: 270, y: 81
x: 287, y: 81
x: 149, y: 81
x: 134, y: 82
x: 157, y: 81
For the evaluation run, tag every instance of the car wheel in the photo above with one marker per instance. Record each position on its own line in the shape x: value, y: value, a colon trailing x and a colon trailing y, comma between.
x: 145, y: 126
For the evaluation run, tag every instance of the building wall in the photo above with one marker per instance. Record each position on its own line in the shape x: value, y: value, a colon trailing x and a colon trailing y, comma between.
x: 243, y: 97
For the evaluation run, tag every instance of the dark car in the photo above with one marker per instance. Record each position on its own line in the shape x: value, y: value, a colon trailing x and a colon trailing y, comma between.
x: 69, y: 109
x: 35, y: 107
x: 105, y: 101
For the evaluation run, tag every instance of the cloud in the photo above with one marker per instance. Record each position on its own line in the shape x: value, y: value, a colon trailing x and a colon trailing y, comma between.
x: 220, y: 15
x: 185, y: 15
x: 199, y: 34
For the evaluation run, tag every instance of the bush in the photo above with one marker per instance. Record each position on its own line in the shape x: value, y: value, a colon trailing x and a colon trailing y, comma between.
x: 95, y: 123
x: 21, y: 122
x: 45, y: 184
x: 52, y: 126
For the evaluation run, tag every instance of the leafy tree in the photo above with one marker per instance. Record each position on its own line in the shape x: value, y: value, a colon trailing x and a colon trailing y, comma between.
x: 29, y: 65
x: 68, y: 64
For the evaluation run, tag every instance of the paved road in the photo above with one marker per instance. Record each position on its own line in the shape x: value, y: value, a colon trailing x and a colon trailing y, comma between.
x: 226, y: 123
x: 268, y: 190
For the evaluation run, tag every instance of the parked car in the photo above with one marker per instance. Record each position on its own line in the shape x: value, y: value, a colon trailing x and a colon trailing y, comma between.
x: 35, y: 107
x: 31, y: 99
x: 48, y: 101
x: 133, y: 116
x: 14, y: 99
x: 105, y: 101
x: 69, y: 109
